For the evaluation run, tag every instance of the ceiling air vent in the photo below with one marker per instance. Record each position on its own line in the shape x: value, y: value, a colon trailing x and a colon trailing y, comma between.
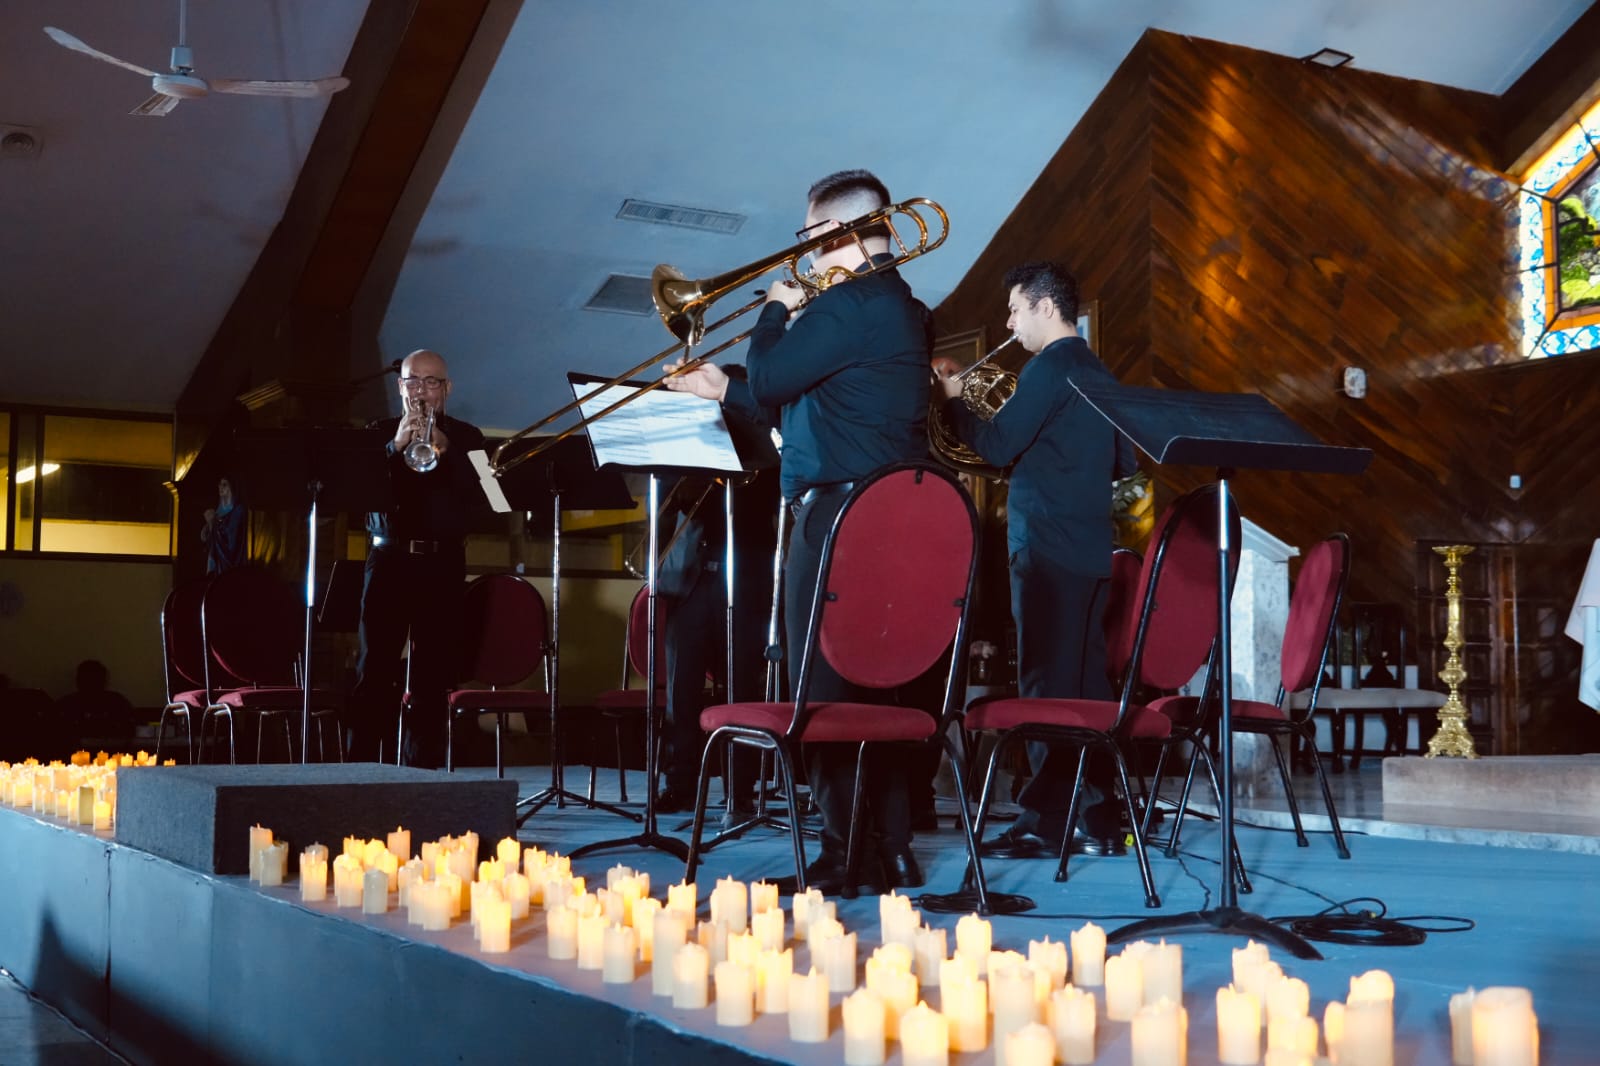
x: 687, y: 217
x: 623, y: 294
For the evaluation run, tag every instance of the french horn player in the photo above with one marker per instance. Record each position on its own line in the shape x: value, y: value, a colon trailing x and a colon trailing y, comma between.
x: 1061, y: 454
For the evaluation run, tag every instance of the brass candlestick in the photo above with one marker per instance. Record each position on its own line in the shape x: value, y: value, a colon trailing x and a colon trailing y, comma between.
x: 1452, y: 737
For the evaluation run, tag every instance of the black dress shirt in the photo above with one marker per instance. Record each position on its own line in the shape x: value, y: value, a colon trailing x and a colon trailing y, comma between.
x: 850, y: 376
x: 1066, y: 456
x: 438, y: 505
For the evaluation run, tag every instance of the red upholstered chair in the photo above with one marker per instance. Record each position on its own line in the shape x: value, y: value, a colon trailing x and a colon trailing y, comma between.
x: 1176, y: 628
x: 252, y: 625
x: 1313, y: 610
x: 627, y: 701
x: 506, y: 634
x: 891, y: 598
x: 183, y: 659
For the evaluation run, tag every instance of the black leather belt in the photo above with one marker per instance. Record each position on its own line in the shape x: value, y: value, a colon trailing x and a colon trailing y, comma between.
x: 412, y: 547
x: 817, y: 492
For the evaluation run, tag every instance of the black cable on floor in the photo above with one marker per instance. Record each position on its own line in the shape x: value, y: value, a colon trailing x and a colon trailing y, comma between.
x: 1370, y: 926
x: 966, y: 902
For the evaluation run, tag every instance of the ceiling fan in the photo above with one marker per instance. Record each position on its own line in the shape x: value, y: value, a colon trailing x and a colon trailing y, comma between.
x: 182, y: 83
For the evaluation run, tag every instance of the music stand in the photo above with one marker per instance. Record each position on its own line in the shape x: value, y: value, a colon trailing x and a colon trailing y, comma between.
x: 660, y: 434
x: 1227, y: 431
x: 344, y: 470
x: 564, y: 477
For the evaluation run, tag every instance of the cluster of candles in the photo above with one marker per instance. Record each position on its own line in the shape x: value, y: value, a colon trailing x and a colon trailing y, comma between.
x: 82, y: 792
x: 741, y: 963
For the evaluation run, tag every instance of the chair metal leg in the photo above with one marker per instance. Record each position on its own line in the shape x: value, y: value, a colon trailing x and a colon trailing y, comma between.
x: 499, y: 744
x: 1327, y: 799
x: 1072, y: 813
x: 449, y: 741
x: 1241, y: 876
x: 1154, y: 793
x: 974, y: 860
x: 1288, y: 791
x: 852, y: 846
x: 1151, y: 897
x: 1183, y: 809
x: 622, y: 774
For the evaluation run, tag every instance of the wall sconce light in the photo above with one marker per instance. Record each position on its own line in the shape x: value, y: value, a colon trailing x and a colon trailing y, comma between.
x: 1355, y: 382
x: 1328, y: 57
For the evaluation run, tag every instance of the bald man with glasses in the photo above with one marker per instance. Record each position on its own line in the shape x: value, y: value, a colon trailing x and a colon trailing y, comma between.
x: 415, y: 572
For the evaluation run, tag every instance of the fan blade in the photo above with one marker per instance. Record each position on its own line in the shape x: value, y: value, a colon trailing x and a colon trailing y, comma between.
x: 320, y: 87
x: 67, y: 40
x: 156, y: 105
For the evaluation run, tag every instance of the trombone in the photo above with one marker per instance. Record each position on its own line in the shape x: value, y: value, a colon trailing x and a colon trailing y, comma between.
x: 682, y: 305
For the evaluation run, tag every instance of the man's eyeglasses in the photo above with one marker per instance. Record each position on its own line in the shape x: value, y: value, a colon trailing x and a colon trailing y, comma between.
x: 816, y: 229
x: 418, y: 383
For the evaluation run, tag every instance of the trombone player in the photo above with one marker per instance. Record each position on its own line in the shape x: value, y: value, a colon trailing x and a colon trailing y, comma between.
x: 846, y: 383
x: 1058, y: 536
x: 416, y: 567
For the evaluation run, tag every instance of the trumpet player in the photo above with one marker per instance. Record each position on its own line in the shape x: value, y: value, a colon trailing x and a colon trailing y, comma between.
x: 847, y: 385
x: 415, y: 569
x: 1058, y: 535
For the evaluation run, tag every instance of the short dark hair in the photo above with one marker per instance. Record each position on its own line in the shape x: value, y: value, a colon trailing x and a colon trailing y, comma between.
x: 1040, y: 280
x: 849, y: 193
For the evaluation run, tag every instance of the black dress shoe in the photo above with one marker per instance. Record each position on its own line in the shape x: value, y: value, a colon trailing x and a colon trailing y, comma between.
x: 671, y: 800
x: 901, y: 871
x: 1018, y: 843
x: 825, y: 874
x: 1084, y: 844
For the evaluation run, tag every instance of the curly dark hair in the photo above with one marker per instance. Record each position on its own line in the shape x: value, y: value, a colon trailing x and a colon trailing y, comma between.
x: 1040, y: 280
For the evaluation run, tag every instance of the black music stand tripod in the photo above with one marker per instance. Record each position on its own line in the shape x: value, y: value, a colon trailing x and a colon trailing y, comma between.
x: 1226, y: 431
x: 336, y: 469
x: 563, y: 477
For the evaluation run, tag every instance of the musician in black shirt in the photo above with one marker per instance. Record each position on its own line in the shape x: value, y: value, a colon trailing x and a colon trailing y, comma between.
x: 415, y: 572
x: 1058, y: 532
x: 848, y: 377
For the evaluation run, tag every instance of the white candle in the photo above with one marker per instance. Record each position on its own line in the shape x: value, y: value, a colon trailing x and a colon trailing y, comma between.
x: 898, y: 920
x: 1368, y: 1033
x: 682, y: 898
x: 1373, y: 985
x: 837, y: 957
x: 374, y: 892
x: 822, y: 928
x: 1050, y: 956
x: 1031, y: 1045
x: 713, y: 936
x: 669, y: 933
x: 898, y: 991
x: 1284, y: 1057
x: 1296, y: 1037
x: 1505, y: 1031
x: 617, y: 873
x: 1011, y: 997
x: 805, y: 907
x: 644, y: 924
x: 274, y: 862
x: 964, y: 1002
x: 730, y: 905
x: 451, y: 888
x: 1245, y: 962
x: 1124, y: 980
x: 1333, y: 1028
x: 863, y: 1028
x: 743, y: 948
x: 347, y: 875
x: 1161, y: 968
x: 763, y: 897
x: 924, y: 1037
x: 808, y: 1007
x: 435, y: 904
x: 774, y: 969
x: 1461, y: 1027
x: 592, y: 941
x: 1160, y: 1032
x: 767, y: 927
x: 561, y: 932
x: 736, y: 994
x: 494, y: 925
x: 691, y: 966
x: 973, y: 940
x: 890, y: 957
x: 517, y: 891
x: 620, y: 947
x: 83, y: 812
x: 1088, y: 956
x: 929, y: 950
x: 102, y: 814
x: 313, y: 876
x: 399, y: 843
x: 1072, y: 1021
x: 955, y: 974
x: 259, y: 838
x: 1238, y: 1027
x: 508, y: 851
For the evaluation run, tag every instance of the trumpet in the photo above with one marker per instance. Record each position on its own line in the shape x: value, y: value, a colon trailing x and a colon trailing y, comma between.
x: 420, y: 455
x: 984, y: 389
x: 683, y: 303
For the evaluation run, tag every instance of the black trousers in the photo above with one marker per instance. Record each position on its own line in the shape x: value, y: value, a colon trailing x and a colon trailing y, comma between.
x: 420, y: 595
x: 831, y: 767
x: 696, y: 647
x: 1061, y: 654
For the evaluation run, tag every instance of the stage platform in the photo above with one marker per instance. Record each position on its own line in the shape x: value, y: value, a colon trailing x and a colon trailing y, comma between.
x: 165, y: 963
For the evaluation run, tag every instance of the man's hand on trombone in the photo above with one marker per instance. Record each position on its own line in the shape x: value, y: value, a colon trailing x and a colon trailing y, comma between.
x: 708, y: 381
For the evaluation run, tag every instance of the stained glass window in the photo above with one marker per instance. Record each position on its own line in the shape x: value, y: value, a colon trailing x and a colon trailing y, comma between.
x: 1559, y: 244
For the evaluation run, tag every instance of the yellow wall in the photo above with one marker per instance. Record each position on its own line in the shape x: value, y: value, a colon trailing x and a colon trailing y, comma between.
x: 54, y: 613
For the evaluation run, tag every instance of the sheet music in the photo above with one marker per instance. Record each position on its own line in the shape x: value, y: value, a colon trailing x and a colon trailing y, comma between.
x: 657, y: 428
x: 488, y: 482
